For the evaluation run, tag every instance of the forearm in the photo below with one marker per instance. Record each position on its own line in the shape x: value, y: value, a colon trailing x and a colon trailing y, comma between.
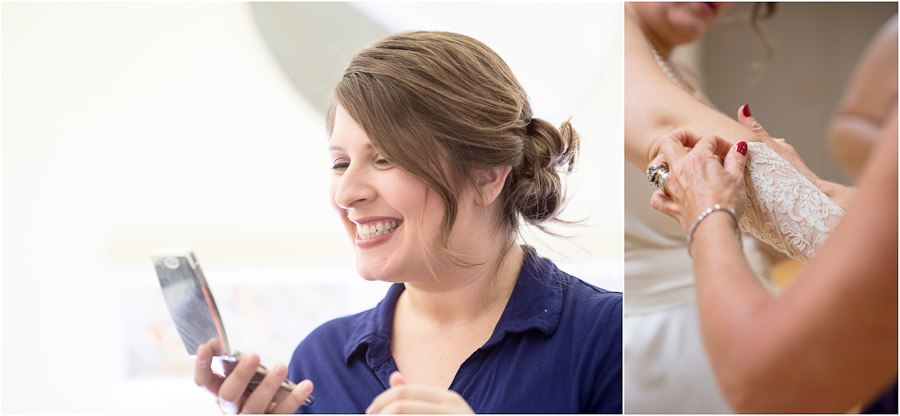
x: 850, y: 141
x: 830, y: 341
x: 868, y: 102
x: 729, y: 300
x: 763, y: 361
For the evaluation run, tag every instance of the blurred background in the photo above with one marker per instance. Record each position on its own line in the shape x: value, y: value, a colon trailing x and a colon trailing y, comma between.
x: 132, y: 126
x: 815, y: 47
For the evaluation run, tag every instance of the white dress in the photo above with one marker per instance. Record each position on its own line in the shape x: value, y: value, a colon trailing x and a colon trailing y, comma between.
x: 666, y: 369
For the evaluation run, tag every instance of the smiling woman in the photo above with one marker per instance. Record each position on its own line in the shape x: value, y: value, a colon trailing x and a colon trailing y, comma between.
x: 447, y: 110
x: 436, y: 160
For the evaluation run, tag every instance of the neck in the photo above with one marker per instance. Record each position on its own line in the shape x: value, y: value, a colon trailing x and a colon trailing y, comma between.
x: 662, y: 48
x: 461, y: 294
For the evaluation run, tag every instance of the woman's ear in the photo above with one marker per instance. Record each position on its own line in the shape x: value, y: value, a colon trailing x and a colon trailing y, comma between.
x: 489, y: 183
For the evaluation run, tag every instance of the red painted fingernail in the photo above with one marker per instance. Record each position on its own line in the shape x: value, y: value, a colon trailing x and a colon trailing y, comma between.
x: 741, y: 148
x: 746, y: 110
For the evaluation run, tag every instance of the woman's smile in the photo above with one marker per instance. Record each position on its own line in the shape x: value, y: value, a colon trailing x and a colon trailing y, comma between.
x: 374, y: 231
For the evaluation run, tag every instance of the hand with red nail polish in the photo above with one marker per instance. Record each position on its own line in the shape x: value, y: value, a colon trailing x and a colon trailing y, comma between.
x: 839, y: 193
x: 698, y: 180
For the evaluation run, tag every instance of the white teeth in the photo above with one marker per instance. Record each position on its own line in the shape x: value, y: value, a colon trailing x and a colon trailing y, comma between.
x: 370, y: 230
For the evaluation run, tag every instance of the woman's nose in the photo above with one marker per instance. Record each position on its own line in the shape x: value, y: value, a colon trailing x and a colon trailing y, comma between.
x: 353, y: 188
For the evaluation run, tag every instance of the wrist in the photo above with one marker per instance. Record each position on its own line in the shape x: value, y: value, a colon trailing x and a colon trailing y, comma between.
x: 714, y: 220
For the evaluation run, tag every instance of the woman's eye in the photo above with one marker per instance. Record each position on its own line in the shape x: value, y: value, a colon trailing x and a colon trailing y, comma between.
x: 340, y: 166
x: 382, y: 163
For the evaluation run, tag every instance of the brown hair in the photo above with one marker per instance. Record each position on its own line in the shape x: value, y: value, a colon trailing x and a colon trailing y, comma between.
x: 762, y: 11
x: 442, y: 105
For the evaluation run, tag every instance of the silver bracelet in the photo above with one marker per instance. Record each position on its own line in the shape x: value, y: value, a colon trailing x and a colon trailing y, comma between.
x: 710, y: 210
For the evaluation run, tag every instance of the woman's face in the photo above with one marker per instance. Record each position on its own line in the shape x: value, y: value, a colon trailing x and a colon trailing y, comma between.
x: 679, y: 23
x: 386, y: 211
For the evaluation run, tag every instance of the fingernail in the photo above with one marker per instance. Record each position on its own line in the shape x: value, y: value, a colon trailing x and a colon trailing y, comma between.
x: 280, y: 370
x: 746, y: 110
x: 741, y: 147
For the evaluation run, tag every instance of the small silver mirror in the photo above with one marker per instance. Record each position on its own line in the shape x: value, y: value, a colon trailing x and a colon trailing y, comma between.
x: 189, y: 299
x: 196, y: 316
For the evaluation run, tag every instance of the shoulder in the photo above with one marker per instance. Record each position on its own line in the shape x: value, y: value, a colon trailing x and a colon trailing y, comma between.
x: 591, y: 309
x: 586, y: 297
x: 583, y: 307
x: 590, y: 327
x: 579, y: 297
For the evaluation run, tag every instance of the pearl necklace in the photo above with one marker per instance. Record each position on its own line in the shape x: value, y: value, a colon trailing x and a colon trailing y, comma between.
x: 687, y: 84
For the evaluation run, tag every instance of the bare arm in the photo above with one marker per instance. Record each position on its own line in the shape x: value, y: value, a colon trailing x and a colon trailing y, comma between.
x: 830, y: 341
x: 655, y: 106
x: 867, y: 102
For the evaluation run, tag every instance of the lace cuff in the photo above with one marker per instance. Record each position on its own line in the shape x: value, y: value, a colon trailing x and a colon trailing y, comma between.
x: 784, y: 209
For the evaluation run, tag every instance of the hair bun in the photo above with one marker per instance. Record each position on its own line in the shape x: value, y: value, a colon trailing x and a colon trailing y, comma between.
x: 537, y: 190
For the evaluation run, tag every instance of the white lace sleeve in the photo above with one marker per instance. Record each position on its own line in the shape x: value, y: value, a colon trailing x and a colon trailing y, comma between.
x: 784, y: 209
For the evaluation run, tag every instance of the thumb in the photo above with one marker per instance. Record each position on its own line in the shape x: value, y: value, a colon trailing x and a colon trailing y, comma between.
x: 750, y: 122
x: 396, y: 379
x: 736, y: 159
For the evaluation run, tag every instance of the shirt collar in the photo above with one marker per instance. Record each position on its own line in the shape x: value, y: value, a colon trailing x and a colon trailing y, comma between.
x: 535, y: 304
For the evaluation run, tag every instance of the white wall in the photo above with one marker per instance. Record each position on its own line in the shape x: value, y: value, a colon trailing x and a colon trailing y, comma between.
x: 131, y: 126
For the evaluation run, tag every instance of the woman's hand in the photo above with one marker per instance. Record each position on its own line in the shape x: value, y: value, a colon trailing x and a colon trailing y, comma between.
x: 411, y: 398
x: 838, y: 193
x: 779, y: 146
x: 698, y: 180
x: 229, y: 392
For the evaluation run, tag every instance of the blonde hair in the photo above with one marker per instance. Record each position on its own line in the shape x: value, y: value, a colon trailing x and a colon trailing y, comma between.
x: 442, y: 105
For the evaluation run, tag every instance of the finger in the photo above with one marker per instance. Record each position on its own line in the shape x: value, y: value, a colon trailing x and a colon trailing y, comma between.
x: 736, y: 159
x: 293, y: 401
x: 203, y: 375
x: 657, y: 160
x: 750, y: 122
x: 722, y: 147
x: 713, y: 145
x: 383, y: 399
x: 264, y: 393
x: 396, y: 379
x: 215, y: 346
x: 229, y: 408
x: 685, y: 137
x: 401, y: 392
x: 671, y: 149
x: 408, y: 406
x: 234, y: 385
x: 664, y: 204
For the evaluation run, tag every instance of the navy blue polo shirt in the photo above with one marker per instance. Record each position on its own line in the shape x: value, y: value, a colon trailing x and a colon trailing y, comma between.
x: 557, y: 348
